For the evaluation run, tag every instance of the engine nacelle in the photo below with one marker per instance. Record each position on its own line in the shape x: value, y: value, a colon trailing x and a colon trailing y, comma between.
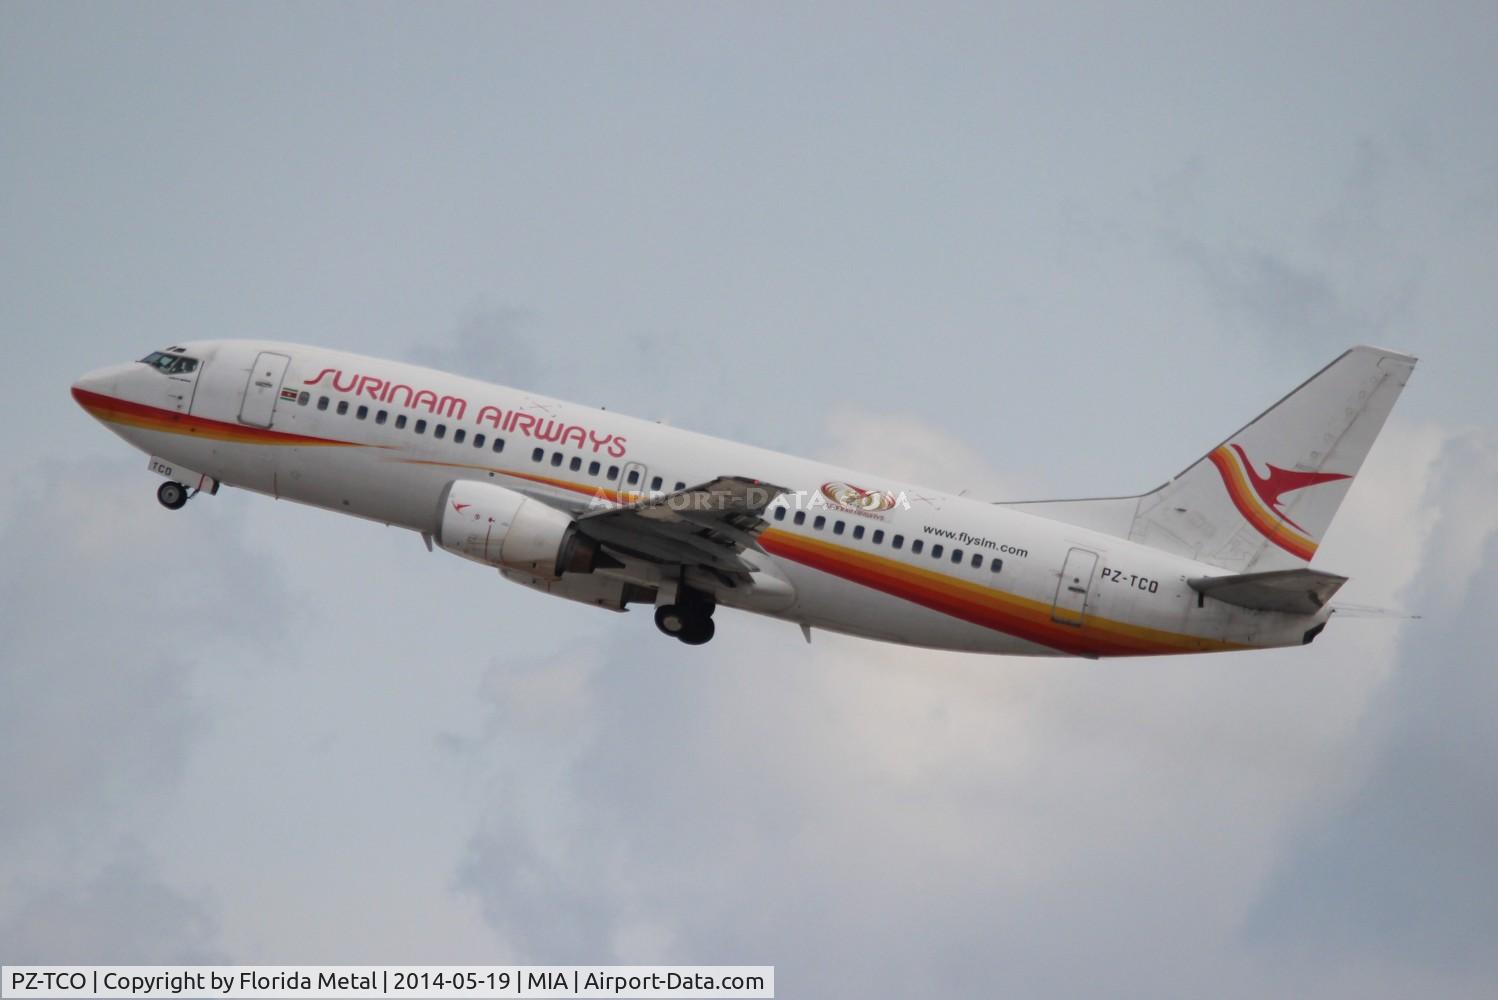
x: 500, y: 527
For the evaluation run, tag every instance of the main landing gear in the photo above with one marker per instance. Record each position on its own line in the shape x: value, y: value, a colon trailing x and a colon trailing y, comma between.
x: 172, y: 495
x: 690, y: 620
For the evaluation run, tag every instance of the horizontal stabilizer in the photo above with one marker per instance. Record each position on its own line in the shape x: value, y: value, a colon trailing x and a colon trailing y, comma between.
x: 1372, y: 611
x: 1293, y: 591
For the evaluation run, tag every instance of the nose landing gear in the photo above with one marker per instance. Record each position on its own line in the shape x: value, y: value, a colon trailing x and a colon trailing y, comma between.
x: 691, y: 621
x: 172, y: 495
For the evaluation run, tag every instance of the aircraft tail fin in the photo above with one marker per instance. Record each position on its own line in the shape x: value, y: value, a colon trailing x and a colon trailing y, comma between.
x: 1262, y: 499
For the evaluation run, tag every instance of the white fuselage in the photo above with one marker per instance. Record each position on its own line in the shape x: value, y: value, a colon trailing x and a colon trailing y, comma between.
x: 340, y: 431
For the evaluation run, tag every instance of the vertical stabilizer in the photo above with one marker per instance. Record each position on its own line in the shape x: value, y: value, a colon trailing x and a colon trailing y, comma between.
x: 1263, y: 499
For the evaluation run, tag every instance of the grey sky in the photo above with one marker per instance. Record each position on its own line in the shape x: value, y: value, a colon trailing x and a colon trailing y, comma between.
x: 1023, y: 250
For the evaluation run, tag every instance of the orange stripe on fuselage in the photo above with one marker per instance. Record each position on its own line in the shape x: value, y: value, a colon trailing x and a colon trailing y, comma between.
x: 127, y: 414
x: 980, y: 605
x: 1264, y: 520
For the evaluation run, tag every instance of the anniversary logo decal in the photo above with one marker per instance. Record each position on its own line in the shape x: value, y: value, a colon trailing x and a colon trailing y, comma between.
x: 857, y: 499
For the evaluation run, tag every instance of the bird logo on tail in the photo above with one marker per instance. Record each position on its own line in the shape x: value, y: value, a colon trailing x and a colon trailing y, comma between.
x: 1258, y: 498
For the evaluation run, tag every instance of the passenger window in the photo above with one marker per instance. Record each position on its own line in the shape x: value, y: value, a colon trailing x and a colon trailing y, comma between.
x: 575, y: 464
x: 680, y: 487
x: 556, y: 459
x: 897, y: 542
x: 878, y: 536
x: 459, y: 435
x: 499, y: 445
x: 656, y: 483
x: 800, y: 517
x: 837, y: 527
x: 634, y: 477
x: 439, y: 432
x: 819, y: 523
x: 916, y: 546
x: 780, y: 513
x: 400, y: 421
x: 593, y: 468
x: 420, y: 427
x: 858, y: 531
x: 303, y: 397
x: 956, y: 556
x: 996, y: 565
x: 613, y: 472
x: 342, y: 407
x: 538, y: 454
x: 362, y: 412
x: 977, y: 561
x: 380, y: 417
x: 936, y: 551
x: 322, y: 402
x: 478, y: 440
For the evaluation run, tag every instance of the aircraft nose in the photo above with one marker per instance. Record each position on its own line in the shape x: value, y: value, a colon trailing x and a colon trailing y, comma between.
x: 92, y: 383
x: 99, y: 382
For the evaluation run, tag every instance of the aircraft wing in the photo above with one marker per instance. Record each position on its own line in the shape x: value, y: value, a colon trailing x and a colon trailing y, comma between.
x: 706, y: 526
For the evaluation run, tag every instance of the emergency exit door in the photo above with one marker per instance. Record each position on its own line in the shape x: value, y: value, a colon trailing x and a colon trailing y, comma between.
x: 1070, y: 606
x: 632, y: 481
x: 262, y: 389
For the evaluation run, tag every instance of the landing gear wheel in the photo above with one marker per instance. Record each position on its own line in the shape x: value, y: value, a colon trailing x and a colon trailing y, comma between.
x: 172, y: 495
x: 689, y: 624
x: 671, y: 620
x: 699, y: 632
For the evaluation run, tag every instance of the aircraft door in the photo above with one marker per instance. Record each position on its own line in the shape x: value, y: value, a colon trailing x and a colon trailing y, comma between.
x: 263, y: 388
x: 1070, y: 606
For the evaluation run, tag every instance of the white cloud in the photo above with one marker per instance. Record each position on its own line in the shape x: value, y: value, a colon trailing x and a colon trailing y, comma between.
x: 1465, y: 500
x: 122, y: 913
x: 110, y: 608
x: 1390, y: 867
x: 907, y: 448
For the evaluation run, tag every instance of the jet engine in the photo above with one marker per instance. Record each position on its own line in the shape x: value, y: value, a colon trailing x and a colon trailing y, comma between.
x: 500, y: 527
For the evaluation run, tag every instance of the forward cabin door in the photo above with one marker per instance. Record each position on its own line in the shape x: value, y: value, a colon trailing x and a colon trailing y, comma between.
x: 1070, y: 606
x: 263, y: 388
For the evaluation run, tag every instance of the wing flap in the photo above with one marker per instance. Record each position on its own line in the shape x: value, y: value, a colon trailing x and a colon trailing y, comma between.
x: 706, y: 525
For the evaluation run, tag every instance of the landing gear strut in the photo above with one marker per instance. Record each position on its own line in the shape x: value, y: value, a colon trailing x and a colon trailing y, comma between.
x: 690, y: 620
x: 172, y: 495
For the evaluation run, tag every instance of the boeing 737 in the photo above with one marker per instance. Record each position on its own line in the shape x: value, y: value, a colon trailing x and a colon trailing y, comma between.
x: 612, y: 511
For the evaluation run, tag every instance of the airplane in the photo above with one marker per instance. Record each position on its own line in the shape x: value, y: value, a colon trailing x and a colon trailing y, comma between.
x: 613, y: 511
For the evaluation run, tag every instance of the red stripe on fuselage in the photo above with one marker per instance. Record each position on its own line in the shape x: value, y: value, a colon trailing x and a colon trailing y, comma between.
x: 983, y: 606
x: 122, y: 411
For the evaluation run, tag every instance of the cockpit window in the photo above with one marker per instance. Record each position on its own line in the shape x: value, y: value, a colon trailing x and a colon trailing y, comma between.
x: 170, y: 364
